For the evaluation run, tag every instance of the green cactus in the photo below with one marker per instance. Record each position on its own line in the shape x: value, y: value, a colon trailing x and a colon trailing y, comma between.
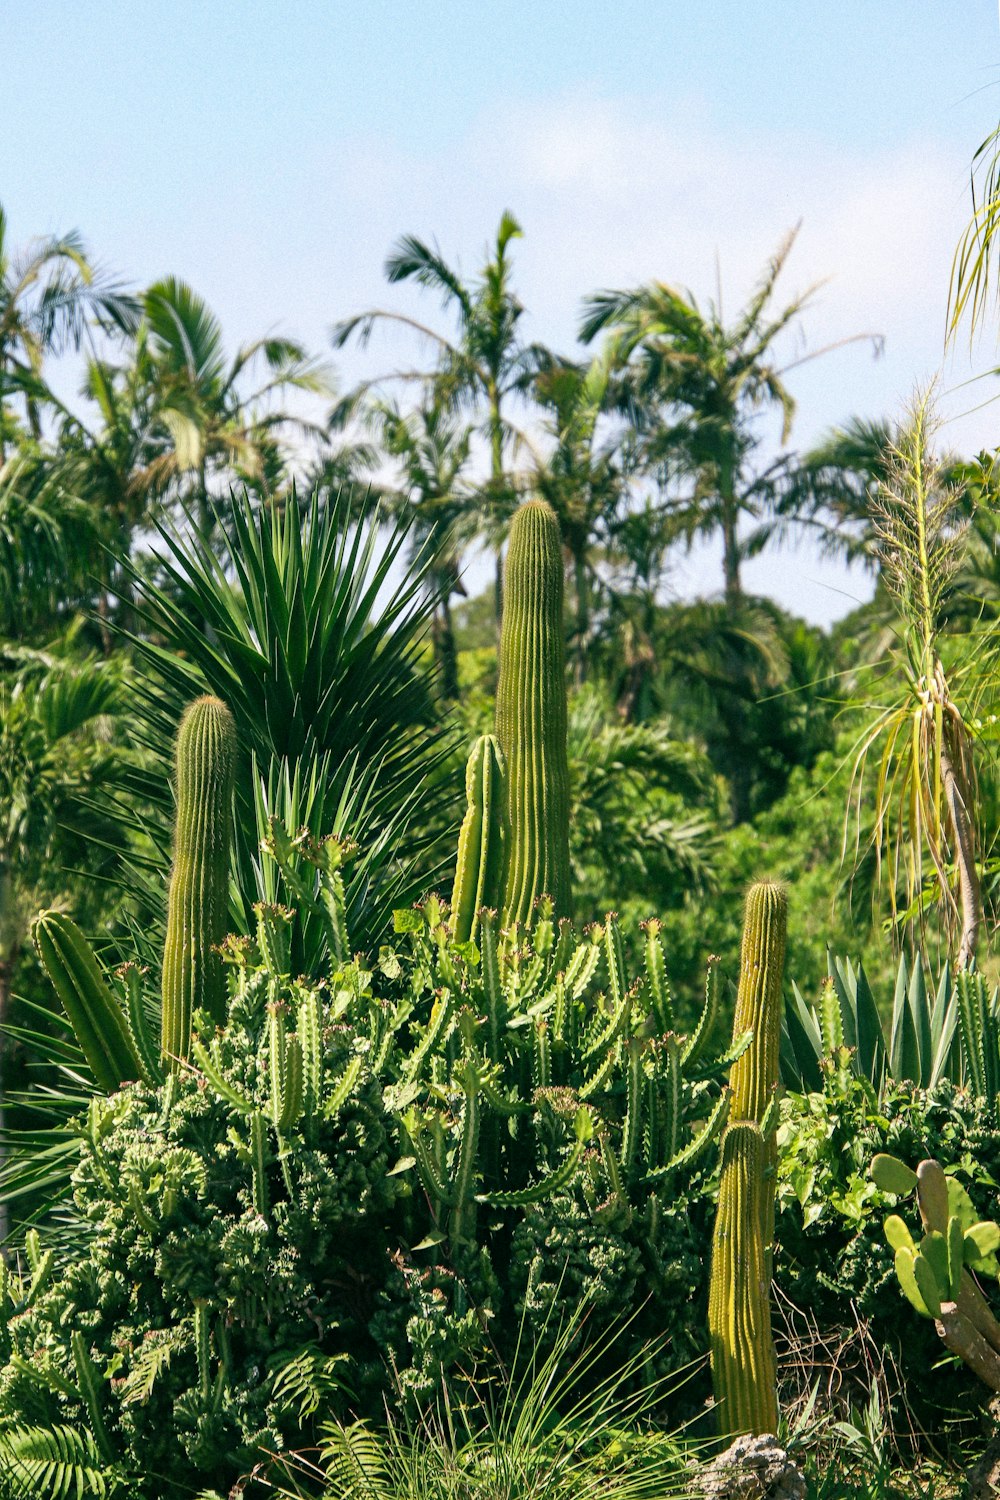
x: 482, y: 842
x: 934, y: 1274
x: 743, y: 1370
x: 90, y: 1005
x: 531, y: 716
x: 739, y: 1307
x: 193, y: 976
x: 754, y: 1076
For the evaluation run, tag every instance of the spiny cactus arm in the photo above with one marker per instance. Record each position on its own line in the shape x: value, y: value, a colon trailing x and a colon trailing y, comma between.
x: 718, y: 1065
x: 90, y: 1005
x: 969, y: 988
x: 541, y: 1054
x: 42, y: 1263
x: 146, y: 1045
x: 698, y: 1144
x: 330, y: 855
x: 198, y: 906
x: 656, y: 975
x: 292, y: 1092
x: 208, y: 1064
x: 274, y: 934
x: 479, y: 872
x: 462, y: 1190
x: 496, y: 1004
x: 427, y: 1168
x: 614, y: 957
x: 739, y: 1315
x: 635, y: 1053
x: 338, y: 1095
x: 606, y: 1037
x: 90, y: 1383
x: 258, y: 1163
x: 582, y: 966
x: 441, y: 1017
x: 531, y: 715
x: 310, y: 1030
x: 555, y: 1181
x: 700, y: 1037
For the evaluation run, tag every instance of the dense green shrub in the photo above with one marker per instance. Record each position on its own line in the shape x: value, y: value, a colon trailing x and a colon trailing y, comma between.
x: 360, y: 1186
x: 831, y: 1248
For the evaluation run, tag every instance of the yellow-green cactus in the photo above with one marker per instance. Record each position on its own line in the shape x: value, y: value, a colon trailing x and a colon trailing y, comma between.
x: 531, y: 715
x: 743, y: 1367
x: 197, y: 912
x: 739, y: 1307
x: 482, y: 843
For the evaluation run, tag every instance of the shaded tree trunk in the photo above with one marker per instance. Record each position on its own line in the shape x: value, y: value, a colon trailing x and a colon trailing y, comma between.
x: 970, y: 894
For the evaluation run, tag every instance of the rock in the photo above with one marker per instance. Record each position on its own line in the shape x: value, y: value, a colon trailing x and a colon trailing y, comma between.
x: 753, y: 1468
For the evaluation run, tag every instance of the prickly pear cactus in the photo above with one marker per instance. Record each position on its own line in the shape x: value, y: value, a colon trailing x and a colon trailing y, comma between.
x: 531, y: 715
x: 199, y: 883
x: 934, y: 1274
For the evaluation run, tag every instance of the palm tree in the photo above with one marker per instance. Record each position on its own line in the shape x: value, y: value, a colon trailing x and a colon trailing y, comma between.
x: 433, y: 500
x: 484, y: 367
x: 203, y: 417
x: 696, y: 386
x: 48, y: 292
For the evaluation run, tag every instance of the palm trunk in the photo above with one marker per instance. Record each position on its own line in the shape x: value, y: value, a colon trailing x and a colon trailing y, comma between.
x: 446, y: 652
x: 970, y: 895
x: 581, y: 590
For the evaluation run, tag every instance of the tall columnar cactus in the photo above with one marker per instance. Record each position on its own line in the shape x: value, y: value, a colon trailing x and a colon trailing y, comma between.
x: 482, y: 843
x: 199, y: 883
x: 743, y: 1368
x: 93, y: 1012
x: 739, y: 1305
x: 531, y: 715
x: 754, y: 1076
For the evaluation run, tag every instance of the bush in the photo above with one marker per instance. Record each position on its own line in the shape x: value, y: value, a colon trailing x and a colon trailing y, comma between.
x: 362, y: 1186
x: 831, y: 1249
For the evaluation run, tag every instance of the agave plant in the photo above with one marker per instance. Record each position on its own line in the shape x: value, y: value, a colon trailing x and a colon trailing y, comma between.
x: 300, y: 626
x: 844, y: 1032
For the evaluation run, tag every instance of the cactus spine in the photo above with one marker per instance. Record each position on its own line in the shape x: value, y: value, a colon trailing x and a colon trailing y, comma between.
x: 531, y: 715
x: 743, y: 1363
x: 482, y: 842
x: 199, y: 883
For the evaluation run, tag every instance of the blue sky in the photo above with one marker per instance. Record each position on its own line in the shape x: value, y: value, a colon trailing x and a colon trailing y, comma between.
x: 271, y: 154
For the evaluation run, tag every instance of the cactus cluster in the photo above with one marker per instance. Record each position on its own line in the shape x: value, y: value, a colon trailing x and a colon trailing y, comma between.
x: 739, y: 1314
x: 934, y: 1274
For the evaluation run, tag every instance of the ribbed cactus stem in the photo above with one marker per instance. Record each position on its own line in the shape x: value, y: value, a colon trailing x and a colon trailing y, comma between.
x: 482, y: 841
x: 90, y: 1006
x: 193, y: 976
x: 739, y: 1308
x: 531, y: 715
x: 753, y: 1079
